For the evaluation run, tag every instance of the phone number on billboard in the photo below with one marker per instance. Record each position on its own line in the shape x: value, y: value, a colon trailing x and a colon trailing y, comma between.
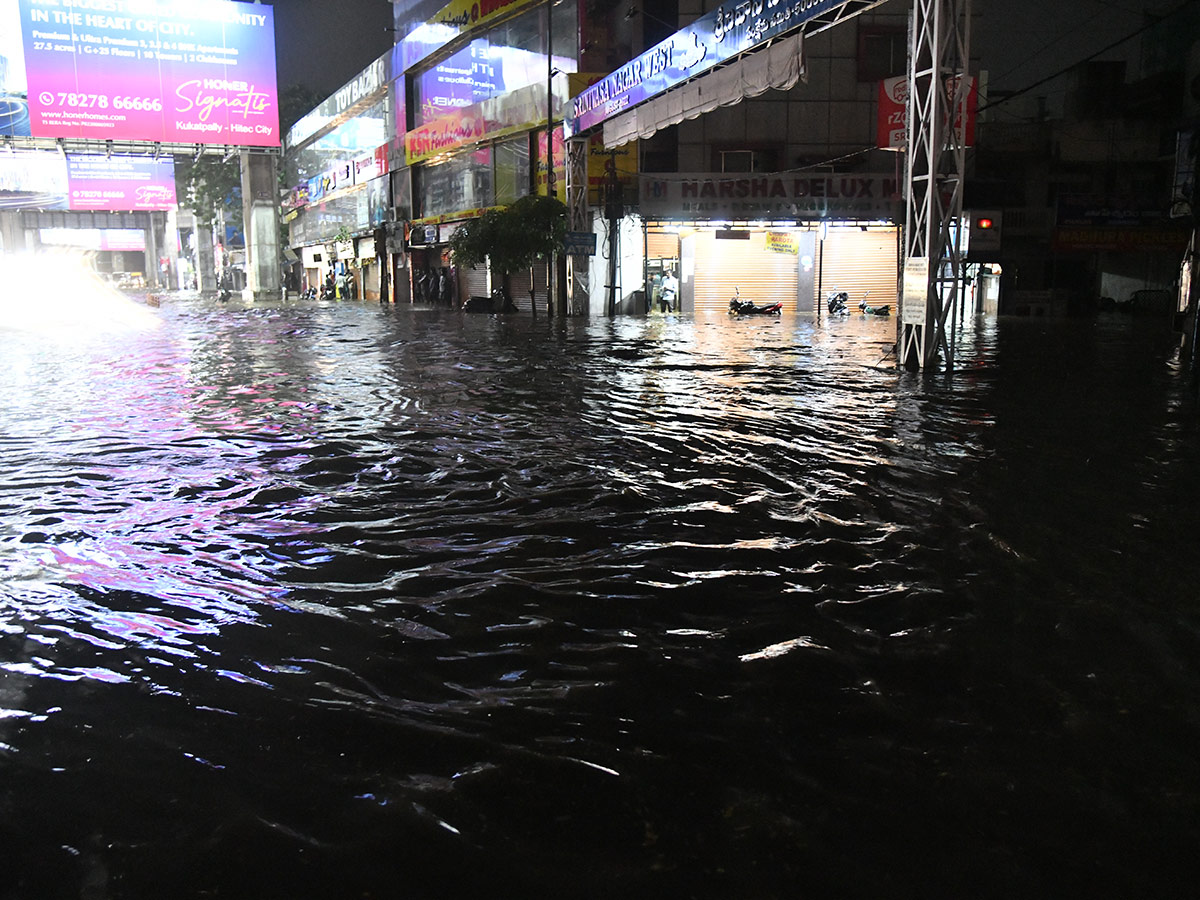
x: 101, y: 101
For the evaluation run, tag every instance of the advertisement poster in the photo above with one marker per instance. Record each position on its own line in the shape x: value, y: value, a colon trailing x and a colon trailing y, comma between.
x: 892, y: 122
x: 198, y: 72
x: 35, y: 179
x: 121, y: 182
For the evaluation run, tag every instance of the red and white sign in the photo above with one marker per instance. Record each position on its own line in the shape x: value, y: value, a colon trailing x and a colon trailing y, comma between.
x: 893, y: 112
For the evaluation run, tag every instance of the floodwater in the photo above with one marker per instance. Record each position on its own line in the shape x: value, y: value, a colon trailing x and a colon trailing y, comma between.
x: 334, y: 601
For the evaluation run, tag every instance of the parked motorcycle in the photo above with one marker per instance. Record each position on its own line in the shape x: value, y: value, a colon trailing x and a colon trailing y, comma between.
x: 873, y: 310
x: 740, y: 307
x: 838, y: 303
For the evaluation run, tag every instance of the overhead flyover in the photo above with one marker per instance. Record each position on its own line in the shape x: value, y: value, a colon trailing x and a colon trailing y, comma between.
x: 745, y: 47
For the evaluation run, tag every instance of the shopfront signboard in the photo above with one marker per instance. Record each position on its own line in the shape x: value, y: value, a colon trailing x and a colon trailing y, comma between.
x: 200, y: 72
x: 721, y: 34
x: 794, y: 196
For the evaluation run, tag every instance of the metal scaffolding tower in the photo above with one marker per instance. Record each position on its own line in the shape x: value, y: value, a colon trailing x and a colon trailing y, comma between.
x: 939, y: 52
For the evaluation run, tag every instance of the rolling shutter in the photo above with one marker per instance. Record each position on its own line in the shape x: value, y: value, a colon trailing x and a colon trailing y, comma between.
x: 857, y: 261
x: 759, y: 274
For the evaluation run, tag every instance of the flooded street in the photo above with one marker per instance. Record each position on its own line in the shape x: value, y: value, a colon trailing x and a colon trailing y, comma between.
x: 335, y: 600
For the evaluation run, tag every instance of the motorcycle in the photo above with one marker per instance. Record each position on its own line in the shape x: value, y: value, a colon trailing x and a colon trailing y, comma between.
x: 873, y: 310
x: 838, y: 303
x: 739, y: 307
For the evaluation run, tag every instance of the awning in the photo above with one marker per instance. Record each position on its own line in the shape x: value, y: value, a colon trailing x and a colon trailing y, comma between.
x: 775, y: 67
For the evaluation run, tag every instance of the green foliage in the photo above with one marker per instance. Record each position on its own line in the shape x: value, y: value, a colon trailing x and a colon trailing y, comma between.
x: 512, y: 237
x: 208, y: 184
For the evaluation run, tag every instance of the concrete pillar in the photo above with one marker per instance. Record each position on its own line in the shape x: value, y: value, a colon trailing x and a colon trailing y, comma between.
x: 260, y: 223
x: 12, y: 232
x: 206, y: 277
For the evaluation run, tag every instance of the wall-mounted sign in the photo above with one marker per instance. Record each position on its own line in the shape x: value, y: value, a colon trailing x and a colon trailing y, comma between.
x: 892, y: 123
x: 152, y: 70
x: 732, y: 28
x: 580, y: 243
x: 516, y: 111
x: 793, y: 196
x: 363, y: 85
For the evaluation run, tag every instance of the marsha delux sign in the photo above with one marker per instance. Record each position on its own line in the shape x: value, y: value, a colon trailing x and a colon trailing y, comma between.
x: 786, y: 196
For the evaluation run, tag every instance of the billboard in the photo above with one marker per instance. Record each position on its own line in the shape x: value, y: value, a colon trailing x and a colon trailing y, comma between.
x: 121, y: 182
x: 199, y: 72
x: 39, y: 179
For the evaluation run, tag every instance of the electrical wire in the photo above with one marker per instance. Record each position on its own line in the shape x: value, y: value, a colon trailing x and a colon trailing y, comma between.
x: 1102, y: 50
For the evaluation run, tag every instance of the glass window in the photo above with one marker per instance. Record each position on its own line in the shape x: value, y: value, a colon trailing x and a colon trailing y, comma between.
x: 512, y: 170
x: 352, y: 138
x: 509, y: 56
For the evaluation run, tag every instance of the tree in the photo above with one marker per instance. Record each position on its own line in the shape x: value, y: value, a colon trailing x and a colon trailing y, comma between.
x: 211, y: 183
x: 512, y: 238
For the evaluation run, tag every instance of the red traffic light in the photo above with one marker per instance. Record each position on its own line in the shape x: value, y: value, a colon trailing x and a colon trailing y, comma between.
x: 983, y: 222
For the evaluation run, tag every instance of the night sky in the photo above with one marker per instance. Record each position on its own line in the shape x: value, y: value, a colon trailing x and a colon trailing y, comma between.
x: 323, y: 44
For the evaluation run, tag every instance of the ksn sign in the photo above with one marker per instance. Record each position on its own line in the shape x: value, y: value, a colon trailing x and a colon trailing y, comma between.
x: 198, y: 72
x: 893, y: 115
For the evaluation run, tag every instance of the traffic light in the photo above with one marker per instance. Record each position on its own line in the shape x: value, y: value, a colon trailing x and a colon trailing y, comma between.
x: 983, y: 234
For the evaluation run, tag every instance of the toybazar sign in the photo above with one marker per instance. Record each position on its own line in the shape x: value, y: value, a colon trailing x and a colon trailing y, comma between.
x: 730, y: 29
x: 198, y: 72
x: 875, y: 197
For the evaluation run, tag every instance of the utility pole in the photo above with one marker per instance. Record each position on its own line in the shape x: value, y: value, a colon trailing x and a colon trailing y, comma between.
x: 939, y: 52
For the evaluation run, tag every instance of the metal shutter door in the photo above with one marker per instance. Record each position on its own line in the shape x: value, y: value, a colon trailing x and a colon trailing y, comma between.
x: 857, y: 261
x: 761, y: 275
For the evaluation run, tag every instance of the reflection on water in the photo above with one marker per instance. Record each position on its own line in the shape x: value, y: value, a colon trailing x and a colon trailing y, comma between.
x: 334, y: 600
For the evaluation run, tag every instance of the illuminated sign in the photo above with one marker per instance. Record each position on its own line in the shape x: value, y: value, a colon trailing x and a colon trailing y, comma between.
x: 509, y: 113
x: 95, y: 238
x: 892, y: 112
x: 798, y: 196
x: 730, y: 29
x: 121, y: 182
x: 200, y: 72
x: 45, y: 179
x: 365, y: 84
x: 453, y: 19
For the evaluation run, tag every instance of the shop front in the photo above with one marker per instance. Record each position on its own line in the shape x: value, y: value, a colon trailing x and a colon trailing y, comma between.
x: 792, y: 237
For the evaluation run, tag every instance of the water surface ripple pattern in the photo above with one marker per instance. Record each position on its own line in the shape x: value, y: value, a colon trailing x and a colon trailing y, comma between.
x: 304, y: 600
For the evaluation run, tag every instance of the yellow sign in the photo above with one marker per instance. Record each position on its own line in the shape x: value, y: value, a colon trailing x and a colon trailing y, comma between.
x: 783, y: 242
x: 464, y: 14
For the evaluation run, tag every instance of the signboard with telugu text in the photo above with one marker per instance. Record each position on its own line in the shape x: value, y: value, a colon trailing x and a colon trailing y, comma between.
x: 721, y: 34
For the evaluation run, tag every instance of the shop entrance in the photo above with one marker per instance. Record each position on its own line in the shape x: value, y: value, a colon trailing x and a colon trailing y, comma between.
x: 795, y: 265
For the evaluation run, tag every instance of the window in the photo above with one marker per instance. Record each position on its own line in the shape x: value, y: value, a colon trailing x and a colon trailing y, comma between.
x: 743, y: 160
x: 882, y: 52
